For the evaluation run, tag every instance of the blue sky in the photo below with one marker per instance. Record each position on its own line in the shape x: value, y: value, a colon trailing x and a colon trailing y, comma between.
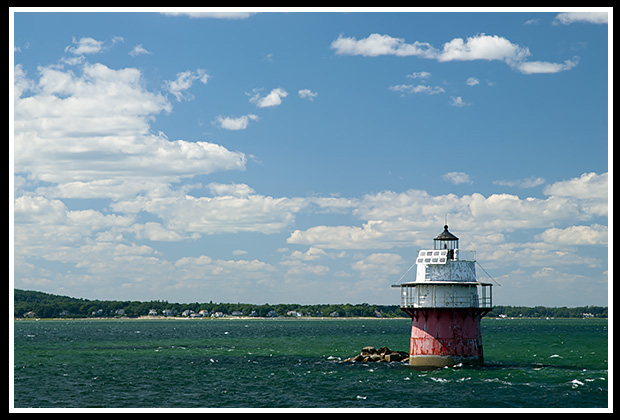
x: 305, y: 157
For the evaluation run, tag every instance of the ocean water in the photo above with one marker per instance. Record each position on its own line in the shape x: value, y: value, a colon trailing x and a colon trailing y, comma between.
x: 299, y: 363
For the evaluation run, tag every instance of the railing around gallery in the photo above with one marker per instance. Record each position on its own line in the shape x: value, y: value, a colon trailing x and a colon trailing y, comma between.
x: 446, y: 295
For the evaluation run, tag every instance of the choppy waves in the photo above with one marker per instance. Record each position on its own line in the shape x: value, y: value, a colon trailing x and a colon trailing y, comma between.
x: 299, y: 363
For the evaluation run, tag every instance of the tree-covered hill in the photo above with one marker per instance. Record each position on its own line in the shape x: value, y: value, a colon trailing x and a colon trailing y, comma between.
x: 44, y: 305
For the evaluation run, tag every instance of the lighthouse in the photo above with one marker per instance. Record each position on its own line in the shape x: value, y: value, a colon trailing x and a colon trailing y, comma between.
x: 445, y: 303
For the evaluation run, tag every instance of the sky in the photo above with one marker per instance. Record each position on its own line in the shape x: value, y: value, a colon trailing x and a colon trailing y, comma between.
x: 266, y: 156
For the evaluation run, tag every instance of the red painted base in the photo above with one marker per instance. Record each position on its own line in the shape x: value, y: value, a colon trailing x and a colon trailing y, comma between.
x: 445, y: 337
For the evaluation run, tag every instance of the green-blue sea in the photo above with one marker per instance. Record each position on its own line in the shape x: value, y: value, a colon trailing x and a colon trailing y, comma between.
x: 299, y: 363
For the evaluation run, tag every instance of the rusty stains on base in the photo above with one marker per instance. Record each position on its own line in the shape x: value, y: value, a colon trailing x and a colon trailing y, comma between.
x: 445, y: 337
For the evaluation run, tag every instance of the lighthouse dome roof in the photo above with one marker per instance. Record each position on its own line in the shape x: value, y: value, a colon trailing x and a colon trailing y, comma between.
x: 445, y: 235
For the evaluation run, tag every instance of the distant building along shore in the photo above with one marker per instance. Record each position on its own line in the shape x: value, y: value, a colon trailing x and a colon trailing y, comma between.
x: 32, y: 304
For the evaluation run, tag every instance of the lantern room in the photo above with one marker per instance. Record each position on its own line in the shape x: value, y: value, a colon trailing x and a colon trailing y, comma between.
x: 446, y: 240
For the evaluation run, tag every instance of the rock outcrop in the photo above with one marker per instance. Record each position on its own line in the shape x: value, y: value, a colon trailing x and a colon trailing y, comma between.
x: 382, y: 354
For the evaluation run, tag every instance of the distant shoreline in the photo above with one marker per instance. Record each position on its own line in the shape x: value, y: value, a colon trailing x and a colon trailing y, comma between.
x: 32, y: 304
x: 280, y: 318
x: 206, y: 318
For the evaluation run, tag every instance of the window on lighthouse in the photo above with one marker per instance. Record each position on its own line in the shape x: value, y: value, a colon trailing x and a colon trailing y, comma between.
x: 446, y: 245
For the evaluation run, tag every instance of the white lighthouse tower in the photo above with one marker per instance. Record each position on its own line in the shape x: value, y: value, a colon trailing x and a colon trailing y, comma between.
x: 445, y: 303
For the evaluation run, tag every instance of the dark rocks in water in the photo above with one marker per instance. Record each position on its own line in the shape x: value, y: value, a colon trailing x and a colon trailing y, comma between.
x: 368, y: 350
x: 383, y: 354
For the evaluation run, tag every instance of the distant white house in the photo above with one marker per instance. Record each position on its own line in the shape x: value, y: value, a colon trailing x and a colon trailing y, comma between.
x: 152, y: 312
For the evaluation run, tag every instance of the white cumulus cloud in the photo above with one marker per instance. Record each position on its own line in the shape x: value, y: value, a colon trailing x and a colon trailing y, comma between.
x: 69, y: 132
x: 405, y: 88
x: 401, y: 219
x: 85, y: 45
x: 239, y: 123
x: 273, y: 98
x: 588, y: 186
x: 584, y: 17
x: 477, y: 47
x: 530, y: 182
x: 307, y: 94
x: 457, y: 178
x: 184, y: 81
x: 458, y: 101
x: 377, y: 44
x: 537, y: 67
x: 576, y: 235
x: 139, y: 50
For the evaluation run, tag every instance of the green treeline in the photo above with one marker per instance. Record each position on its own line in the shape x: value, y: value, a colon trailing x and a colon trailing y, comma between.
x: 545, y: 312
x: 44, y: 305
